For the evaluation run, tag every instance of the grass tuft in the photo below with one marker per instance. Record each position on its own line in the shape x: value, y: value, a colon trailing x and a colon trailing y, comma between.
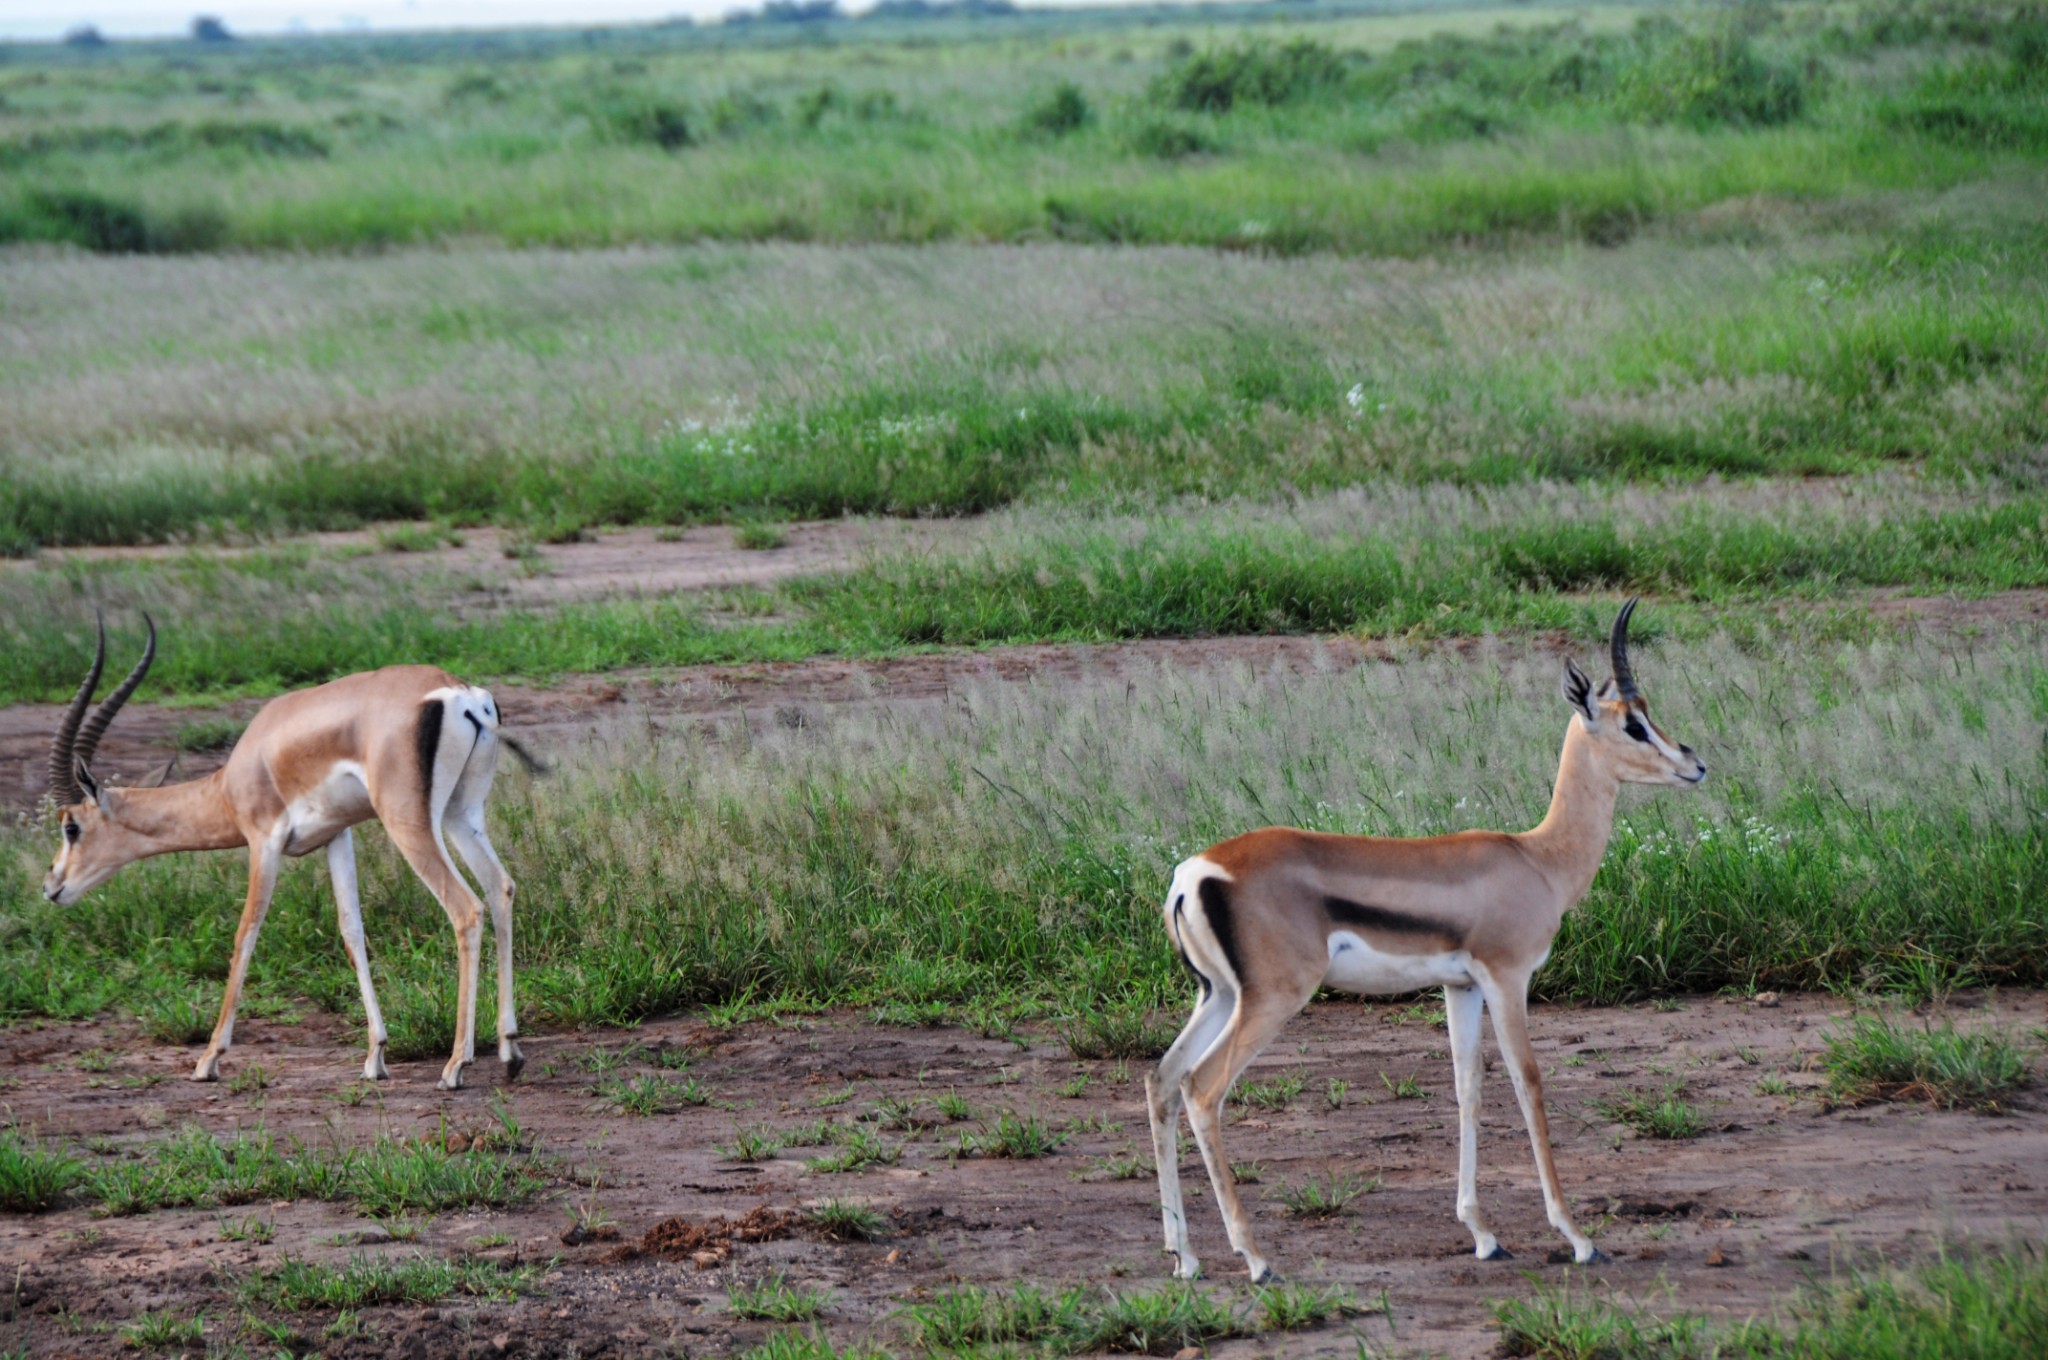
x: 1872, y: 1059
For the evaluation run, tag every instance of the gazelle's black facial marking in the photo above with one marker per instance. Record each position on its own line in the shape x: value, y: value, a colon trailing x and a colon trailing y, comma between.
x: 1634, y: 727
x: 72, y: 831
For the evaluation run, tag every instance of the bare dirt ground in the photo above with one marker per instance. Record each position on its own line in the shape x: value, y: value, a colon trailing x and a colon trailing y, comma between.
x: 1777, y: 1193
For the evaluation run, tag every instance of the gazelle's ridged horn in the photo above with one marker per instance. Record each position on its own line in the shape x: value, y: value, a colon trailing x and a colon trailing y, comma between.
x: 63, y: 785
x: 1624, y: 678
x: 89, y: 739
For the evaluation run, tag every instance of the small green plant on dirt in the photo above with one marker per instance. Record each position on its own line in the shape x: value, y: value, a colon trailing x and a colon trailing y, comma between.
x: 250, y: 1229
x: 1325, y: 1198
x: 207, y: 734
x: 1278, y: 1094
x: 903, y: 1114
x: 760, y: 535
x: 811, y: 1345
x: 1075, y: 1088
x: 163, y: 1329
x: 846, y: 1220
x: 1663, y: 1115
x: 295, y: 1285
x: 1775, y: 1084
x: 281, y: 1335
x: 1159, y: 1322
x: 954, y: 1106
x: 1116, y: 1032
x: 651, y: 1094
x: 1334, y: 1092
x: 1019, y: 1137
x: 754, y: 1143
x: 774, y: 1299
x: 1871, y: 1059
x: 490, y: 1241
x: 253, y: 1077
x: 34, y: 1177
x: 177, y: 1015
x: 1403, y: 1088
x: 861, y: 1148
x: 969, y: 1317
x: 1122, y: 1166
x: 1289, y: 1307
x: 1248, y: 1173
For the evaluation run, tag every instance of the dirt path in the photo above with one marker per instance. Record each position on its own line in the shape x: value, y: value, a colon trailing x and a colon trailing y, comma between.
x: 1775, y: 1194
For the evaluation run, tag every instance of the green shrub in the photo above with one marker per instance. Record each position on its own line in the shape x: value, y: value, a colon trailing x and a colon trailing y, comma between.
x: 1713, y: 79
x: 1062, y: 110
x: 1218, y: 80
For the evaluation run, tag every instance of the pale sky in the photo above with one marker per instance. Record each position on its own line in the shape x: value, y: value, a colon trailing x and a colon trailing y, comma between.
x: 158, y: 18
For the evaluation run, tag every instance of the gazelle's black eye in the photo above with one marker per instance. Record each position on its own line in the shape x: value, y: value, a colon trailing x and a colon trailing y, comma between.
x: 1635, y: 729
x: 71, y: 832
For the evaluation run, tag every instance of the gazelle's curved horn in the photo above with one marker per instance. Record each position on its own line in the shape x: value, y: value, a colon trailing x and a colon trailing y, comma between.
x: 1624, y: 678
x: 89, y: 739
x: 63, y: 784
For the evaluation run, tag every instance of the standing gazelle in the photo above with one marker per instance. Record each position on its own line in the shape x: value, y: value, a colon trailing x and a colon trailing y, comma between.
x: 1265, y: 919
x: 410, y: 746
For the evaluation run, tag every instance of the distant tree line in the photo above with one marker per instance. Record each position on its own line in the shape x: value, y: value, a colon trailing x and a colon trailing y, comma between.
x: 825, y: 11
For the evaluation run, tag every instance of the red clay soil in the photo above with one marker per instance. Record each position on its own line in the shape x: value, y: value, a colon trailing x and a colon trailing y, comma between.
x: 1777, y: 1192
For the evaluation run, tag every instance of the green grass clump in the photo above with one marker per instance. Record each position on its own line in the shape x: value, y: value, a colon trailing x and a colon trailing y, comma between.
x: 296, y: 1285
x: 1158, y: 1322
x: 1126, y: 1032
x: 1872, y: 1059
x: 848, y: 1221
x: 775, y: 1299
x: 1019, y: 1137
x: 150, y: 1331
x: 651, y: 1094
x: 1292, y: 1306
x: 34, y: 1176
x: 385, y: 1178
x: 1330, y: 1197
x: 1664, y: 1115
x: 1989, y: 1307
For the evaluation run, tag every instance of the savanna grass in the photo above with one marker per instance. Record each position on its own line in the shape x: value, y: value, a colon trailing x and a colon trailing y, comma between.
x: 1872, y: 1058
x: 1992, y: 1306
x: 297, y: 1285
x: 1873, y: 821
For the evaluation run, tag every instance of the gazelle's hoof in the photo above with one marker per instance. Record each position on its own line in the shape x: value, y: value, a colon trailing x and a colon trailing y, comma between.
x: 208, y: 1068
x: 374, y: 1068
x: 1186, y: 1267
x: 1499, y: 1253
x: 451, y: 1077
x: 514, y: 1060
x: 1596, y: 1258
x: 1260, y: 1271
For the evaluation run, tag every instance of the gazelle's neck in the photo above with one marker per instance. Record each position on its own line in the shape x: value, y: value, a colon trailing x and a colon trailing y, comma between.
x: 1571, y: 840
x: 194, y: 815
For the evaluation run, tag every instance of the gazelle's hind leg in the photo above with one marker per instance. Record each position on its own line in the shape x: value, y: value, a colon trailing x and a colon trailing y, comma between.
x: 1163, y: 1104
x: 348, y: 904
x: 1253, y: 1022
x: 465, y: 826
x: 429, y: 859
x: 1463, y: 1007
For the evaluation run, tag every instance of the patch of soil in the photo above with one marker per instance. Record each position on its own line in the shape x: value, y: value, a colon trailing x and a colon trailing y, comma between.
x: 1781, y: 1193
x: 709, y: 1242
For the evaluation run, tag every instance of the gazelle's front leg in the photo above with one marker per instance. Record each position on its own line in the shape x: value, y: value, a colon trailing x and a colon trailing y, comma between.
x: 348, y: 903
x: 263, y: 862
x: 1508, y: 999
x: 1462, y: 1007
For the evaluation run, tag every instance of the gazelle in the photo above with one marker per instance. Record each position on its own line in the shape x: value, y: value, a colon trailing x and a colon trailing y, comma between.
x: 1265, y: 919
x: 410, y: 746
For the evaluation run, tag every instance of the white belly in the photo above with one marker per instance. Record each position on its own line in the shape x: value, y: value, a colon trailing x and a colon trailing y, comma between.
x: 326, y: 810
x: 1356, y: 966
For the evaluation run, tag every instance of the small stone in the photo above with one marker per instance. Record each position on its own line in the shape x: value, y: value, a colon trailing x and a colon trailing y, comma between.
x: 1188, y: 1353
x: 1650, y: 1254
x: 1718, y: 1257
x: 895, y: 1255
x: 1766, y: 999
x: 502, y: 1342
x: 704, y: 1260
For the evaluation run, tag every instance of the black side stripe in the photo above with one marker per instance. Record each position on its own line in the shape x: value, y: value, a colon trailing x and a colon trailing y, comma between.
x: 429, y: 748
x: 1348, y: 913
x: 474, y: 721
x: 1215, y: 895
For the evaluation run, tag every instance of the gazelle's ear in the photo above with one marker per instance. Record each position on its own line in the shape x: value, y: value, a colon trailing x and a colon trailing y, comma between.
x: 1578, y: 692
x: 163, y: 772
x: 88, y: 783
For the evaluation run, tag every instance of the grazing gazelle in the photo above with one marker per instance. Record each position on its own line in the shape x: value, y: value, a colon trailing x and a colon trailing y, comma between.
x: 410, y: 746
x: 1265, y: 919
